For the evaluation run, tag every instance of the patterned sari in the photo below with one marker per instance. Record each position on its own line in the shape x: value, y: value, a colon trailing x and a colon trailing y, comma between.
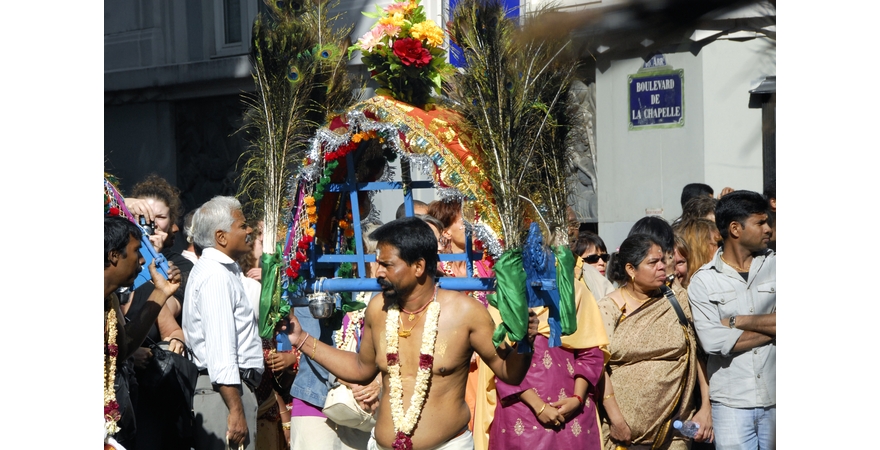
x: 653, y: 369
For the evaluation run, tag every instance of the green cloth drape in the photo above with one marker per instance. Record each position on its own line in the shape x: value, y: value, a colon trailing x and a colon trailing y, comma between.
x: 510, y: 297
x: 272, y: 309
x: 565, y: 285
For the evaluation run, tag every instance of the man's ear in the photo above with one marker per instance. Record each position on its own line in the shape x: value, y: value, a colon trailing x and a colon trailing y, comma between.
x: 734, y: 229
x: 220, y: 238
x: 419, y: 267
x: 114, y: 257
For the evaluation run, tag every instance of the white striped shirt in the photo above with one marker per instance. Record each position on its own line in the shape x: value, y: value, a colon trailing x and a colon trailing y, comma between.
x: 218, y: 320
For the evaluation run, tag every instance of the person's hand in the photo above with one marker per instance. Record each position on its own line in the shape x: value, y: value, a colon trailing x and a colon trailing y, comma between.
x: 174, y: 345
x: 236, y: 428
x: 169, y: 286
x: 620, y: 432
x: 139, y: 207
x: 158, y: 239
x: 142, y: 357
x: 704, y: 417
x: 567, y: 407
x: 294, y: 331
x: 725, y: 191
x: 255, y: 273
x: 281, y: 361
x: 365, y: 394
x: 533, y: 326
x: 550, y: 416
x: 286, y: 438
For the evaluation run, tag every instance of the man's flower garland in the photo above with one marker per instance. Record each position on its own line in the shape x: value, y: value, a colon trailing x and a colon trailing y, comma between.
x: 404, y: 423
x: 111, y: 408
x: 344, y: 335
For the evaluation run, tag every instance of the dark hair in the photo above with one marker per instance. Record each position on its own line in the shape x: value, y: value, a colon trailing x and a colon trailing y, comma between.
x: 770, y: 189
x: 633, y: 250
x: 445, y: 211
x: 737, y: 206
x: 116, y: 236
x: 698, y: 207
x: 658, y: 228
x: 412, y: 238
x: 156, y: 187
x: 585, y: 240
x: 695, y: 190
x: 401, y: 210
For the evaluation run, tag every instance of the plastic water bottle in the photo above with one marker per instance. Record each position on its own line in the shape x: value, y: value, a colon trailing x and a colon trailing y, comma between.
x: 687, y: 428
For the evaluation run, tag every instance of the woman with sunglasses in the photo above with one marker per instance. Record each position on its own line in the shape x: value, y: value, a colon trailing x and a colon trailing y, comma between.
x: 591, y: 248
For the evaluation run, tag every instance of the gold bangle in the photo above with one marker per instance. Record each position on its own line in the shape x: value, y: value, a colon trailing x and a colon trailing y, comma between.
x: 314, y: 347
x: 285, y: 425
x: 608, y: 396
x: 542, y: 410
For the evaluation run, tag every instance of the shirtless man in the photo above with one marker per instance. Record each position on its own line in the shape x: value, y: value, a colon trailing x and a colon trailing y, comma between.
x: 407, y: 258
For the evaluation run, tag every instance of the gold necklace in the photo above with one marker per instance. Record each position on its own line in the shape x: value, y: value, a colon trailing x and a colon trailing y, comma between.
x: 404, y: 333
x: 737, y: 268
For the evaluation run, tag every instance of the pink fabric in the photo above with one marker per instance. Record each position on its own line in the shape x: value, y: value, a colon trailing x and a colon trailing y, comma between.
x: 303, y: 409
x: 552, y: 375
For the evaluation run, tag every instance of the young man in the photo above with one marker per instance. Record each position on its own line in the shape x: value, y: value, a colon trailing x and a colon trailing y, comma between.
x: 122, y: 263
x: 220, y: 326
x: 733, y: 299
x: 421, y: 338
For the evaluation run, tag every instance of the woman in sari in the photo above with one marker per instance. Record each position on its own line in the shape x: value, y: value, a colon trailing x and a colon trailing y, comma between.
x: 555, y: 405
x: 651, y: 377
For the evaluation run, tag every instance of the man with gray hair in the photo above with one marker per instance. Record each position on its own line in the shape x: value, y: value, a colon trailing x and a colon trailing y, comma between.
x: 220, y: 326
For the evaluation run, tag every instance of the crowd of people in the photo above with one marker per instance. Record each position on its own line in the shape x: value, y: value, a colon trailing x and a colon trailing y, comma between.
x: 677, y: 324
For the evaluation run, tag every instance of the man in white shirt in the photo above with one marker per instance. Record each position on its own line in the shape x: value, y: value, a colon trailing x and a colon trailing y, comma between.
x: 220, y: 326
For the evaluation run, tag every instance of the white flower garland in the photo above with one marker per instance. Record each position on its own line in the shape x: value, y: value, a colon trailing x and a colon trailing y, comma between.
x: 404, y: 423
x: 111, y: 408
x: 343, y: 336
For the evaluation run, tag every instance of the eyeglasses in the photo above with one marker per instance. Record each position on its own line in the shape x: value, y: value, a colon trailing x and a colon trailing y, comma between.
x: 594, y: 258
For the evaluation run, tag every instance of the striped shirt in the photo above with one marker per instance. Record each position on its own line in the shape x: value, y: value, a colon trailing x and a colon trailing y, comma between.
x: 218, y: 320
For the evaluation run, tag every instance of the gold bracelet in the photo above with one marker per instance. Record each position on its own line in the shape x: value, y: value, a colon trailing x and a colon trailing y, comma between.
x: 314, y: 347
x: 608, y: 396
x: 542, y: 410
x: 285, y: 425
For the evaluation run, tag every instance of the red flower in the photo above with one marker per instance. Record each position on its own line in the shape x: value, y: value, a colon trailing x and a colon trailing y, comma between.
x: 403, y: 442
x: 113, y: 350
x: 294, y: 266
x: 411, y: 52
x: 426, y: 361
x: 291, y: 273
x: 391, y: 358
x: 300, y: 256
x: 114, y: 211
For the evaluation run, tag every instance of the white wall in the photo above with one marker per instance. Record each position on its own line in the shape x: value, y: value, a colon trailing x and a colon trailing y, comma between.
x: 719, y: 144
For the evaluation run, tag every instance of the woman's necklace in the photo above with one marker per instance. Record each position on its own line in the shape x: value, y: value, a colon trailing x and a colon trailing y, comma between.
x: 636, y: 302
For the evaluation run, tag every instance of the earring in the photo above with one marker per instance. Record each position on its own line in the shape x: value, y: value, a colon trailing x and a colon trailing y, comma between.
x: 633, y: 277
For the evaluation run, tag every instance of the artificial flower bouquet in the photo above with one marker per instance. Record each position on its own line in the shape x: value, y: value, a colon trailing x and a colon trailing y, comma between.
x: 403, y: 52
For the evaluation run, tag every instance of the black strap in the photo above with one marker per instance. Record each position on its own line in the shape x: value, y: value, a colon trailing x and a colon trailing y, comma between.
x: 675, y: 305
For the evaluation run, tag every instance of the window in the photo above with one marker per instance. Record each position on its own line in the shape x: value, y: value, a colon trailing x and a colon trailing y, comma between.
x: 233, y: 20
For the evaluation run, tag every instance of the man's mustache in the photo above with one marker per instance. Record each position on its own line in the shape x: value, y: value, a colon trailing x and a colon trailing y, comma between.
x: 384, y: 283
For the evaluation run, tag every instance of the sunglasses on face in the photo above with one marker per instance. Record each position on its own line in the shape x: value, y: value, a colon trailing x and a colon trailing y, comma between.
x: 594, y: 258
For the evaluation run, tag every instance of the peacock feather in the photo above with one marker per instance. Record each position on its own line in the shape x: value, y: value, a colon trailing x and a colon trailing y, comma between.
x: 512, y: 94
x: 300, y: 77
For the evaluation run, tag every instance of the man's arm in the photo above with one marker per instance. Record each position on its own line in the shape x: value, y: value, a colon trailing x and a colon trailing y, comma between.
x: 236, y: 424
x: 758, y: 323
x: 509, y: 365
x: 357, y: 368
x: 136, y: 330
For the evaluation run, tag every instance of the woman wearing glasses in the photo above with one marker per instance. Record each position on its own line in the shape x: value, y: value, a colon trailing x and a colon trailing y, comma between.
x: 591, y: 248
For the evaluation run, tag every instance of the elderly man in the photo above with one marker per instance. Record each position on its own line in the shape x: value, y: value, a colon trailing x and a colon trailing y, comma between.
x: 421, y: 338
x: 733, y: 299
x: 220, y: 326
x: 122, y: 263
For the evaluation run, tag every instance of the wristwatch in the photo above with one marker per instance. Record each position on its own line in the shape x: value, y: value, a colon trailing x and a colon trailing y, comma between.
x: 732, y: 322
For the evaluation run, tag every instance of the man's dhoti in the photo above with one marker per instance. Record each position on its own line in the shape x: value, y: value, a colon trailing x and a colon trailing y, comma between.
x: 464, y: 441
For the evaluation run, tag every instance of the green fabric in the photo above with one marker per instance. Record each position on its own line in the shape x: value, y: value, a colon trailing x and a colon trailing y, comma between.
x: 565, y: 285
x: 272, y: 309
x: 510, y: 297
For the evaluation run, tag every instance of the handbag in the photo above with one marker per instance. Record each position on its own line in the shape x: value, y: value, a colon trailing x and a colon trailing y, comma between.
x: 169, y: 371
x: 342, y: 408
